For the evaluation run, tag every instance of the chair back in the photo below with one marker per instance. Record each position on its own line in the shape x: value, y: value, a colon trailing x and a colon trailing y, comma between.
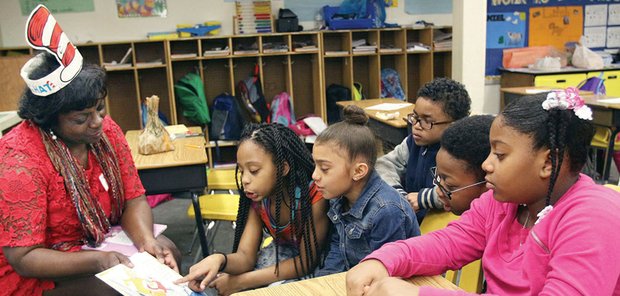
x: 469, y: 277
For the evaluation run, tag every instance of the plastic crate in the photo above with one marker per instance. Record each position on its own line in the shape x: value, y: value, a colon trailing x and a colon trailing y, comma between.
x: 337, y: 24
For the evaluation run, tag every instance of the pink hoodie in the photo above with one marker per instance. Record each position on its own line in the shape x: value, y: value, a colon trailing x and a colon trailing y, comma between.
x: 574, y: 250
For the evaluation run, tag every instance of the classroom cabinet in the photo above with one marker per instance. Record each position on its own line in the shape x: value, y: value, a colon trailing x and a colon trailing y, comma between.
x: 303, y: 64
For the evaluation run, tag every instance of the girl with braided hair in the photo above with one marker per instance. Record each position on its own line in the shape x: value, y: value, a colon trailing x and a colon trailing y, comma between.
x: 540, y: 229
x: 365, y: 210
x: 289, y: 207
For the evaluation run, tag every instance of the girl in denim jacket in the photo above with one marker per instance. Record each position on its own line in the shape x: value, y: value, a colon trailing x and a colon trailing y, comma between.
x: 366, y: 211
x: 289, y: 207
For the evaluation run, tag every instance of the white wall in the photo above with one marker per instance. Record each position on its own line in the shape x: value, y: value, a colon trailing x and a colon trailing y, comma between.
x: 104, y: 25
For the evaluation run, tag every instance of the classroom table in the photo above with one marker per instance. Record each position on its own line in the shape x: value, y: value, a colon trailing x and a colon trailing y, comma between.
x: 392, y: 131
x: 508, y: 94
x: 334, y: 285
x: 604, y: 114
x: 181, y: 170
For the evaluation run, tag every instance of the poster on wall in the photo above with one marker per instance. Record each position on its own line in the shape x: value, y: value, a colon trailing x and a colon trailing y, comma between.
x: 506, y: 29
x: 57, y: 6
x: 141, y: 8
x: 555, y: 25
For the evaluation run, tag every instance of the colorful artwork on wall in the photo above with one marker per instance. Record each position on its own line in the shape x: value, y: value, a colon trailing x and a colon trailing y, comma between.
x: 141, y: 8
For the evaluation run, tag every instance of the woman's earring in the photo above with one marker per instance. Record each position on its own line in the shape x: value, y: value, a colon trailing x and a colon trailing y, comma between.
x: 53, y: 135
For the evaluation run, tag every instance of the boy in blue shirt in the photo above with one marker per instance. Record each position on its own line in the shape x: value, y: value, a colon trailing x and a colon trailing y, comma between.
x: 407, y: 167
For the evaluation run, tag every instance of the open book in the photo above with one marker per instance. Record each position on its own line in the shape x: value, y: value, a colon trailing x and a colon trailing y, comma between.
x: 117, y: 240
x: 147, y: 277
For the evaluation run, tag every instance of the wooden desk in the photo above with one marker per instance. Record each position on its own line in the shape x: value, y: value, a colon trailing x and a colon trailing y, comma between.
x: 181, y: 170
x: 392, y: 132
x: 511, y: 93
x: 335, y: 285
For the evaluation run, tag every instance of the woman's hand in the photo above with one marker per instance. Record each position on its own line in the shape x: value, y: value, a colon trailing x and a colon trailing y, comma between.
x: 110, y: 259
x: 161, y: 252
x: 202, y: 273
x: 391, y: 286
x: 226, y: 284
x: 364, y: 275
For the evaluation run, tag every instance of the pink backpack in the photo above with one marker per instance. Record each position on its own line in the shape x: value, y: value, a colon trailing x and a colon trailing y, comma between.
x: 282, y: 110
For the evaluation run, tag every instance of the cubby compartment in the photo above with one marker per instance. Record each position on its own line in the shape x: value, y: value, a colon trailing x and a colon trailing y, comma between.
x: 276, y: 76
x: 418, y: 40
x: 217, y: 78
x: 442, y: 64
x: 305, y: 42
x: 117, y: 56
x: 245, y: 45
x: 183, y: 49
x: 275, y: 44
x: 366, y: 73
x: 336, y: 43
x: 150, y: 54
x: 364, y: 42
x: 306, y: 85
x: 215, y: 47
x: 146, y: 89
x: 419, y: 71
x: 90, y: 53
x: 399, y: 64
x: 392, y: 41
x: 122, y: 101
x: 243, y: 67
x: 338, y: 71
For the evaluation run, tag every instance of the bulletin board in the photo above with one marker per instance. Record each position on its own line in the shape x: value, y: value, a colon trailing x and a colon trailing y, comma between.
x: 549, y: 22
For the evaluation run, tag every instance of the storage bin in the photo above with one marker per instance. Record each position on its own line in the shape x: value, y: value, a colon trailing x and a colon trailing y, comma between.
x: 338, y: 24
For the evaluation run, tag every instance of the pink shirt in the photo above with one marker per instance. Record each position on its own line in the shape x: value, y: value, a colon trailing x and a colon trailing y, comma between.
x: 574, y: 250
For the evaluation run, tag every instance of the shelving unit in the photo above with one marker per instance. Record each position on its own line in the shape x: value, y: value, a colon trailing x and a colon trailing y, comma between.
x: 303, y: 64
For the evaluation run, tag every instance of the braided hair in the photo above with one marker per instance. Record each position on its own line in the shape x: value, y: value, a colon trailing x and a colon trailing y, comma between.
x: 285, y: 147
x: 550, y: 129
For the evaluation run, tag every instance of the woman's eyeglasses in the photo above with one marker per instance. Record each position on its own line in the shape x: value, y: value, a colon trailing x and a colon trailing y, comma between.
x: 414, y: 119
x: 444, y: 190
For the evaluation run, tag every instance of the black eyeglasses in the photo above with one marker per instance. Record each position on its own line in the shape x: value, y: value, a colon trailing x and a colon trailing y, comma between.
x: 446, y: 192
x: 414, y: 119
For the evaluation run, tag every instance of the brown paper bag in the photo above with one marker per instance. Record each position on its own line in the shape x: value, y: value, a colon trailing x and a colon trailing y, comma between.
x: 154, y: 138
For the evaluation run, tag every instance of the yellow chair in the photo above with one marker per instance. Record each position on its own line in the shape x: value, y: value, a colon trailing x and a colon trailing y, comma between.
x: 213, y: 209
x: 601, y: 141
x: 612, y: 186
x: 221, y: 179
x: 469, y: 278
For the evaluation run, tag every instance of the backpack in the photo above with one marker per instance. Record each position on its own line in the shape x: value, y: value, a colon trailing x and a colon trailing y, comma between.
x: 282, y: 109
x: 250, y: 96
x: 227, y: 121
x: 336, y: 93
x: 595, y: 84
x: 190, y: 93
x: 390, y: 84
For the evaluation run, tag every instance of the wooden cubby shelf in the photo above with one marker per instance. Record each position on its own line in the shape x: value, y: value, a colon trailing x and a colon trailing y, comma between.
x: 303, y: 64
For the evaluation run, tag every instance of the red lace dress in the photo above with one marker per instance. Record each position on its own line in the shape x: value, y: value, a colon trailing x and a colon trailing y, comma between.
x: 34, y: 206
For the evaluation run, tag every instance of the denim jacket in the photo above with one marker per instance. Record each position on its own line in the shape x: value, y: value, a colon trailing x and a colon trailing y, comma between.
x: 380, y: 215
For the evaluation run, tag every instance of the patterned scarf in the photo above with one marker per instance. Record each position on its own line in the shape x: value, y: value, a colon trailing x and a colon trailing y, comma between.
x: 94, y: 222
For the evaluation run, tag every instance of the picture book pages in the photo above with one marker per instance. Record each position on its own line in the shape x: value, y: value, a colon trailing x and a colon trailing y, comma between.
x: 117, y: 240
x: 147, y: 277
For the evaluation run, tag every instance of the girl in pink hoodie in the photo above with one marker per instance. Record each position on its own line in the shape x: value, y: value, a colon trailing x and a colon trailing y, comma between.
x: 542, y: 228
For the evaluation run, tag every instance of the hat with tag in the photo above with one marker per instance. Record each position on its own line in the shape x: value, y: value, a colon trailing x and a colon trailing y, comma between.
x: 44, y: 33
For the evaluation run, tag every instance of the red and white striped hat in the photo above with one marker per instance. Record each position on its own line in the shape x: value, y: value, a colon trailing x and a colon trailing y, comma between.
x: 43, y: 33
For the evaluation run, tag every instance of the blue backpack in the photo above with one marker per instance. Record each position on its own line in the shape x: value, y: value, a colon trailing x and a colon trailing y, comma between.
x: 226, y: 120
x: 390, y: 84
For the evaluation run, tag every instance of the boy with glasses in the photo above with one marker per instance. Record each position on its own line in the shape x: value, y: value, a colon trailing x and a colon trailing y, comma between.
x: 407, y: 167
x: 458, y: 174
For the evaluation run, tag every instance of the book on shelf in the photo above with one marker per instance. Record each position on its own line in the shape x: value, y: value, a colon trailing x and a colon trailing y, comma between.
x: 217, y: 51
x: 183, y: 55
x: 390, y: 50
x: 117, y: 240
x: 311, y: 48
x: 248, y: 51
x: 115, y: 66
x: 180, y: 131
x: 336, y: 52
x: 147, y: 277
x: 151, y: 63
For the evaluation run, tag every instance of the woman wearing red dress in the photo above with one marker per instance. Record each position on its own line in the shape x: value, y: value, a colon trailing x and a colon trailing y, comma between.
x: 66, y: 176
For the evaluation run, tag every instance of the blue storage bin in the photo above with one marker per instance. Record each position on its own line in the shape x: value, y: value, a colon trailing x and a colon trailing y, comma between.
x: 338, y: 24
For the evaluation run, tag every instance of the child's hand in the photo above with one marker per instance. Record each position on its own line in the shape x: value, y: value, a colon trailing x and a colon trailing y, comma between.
x: 413, y: 201
x: 161, y: 252
x: 391, y: 286
x: 202, y: 273
x: 226, y: 284
x: 365, y: 274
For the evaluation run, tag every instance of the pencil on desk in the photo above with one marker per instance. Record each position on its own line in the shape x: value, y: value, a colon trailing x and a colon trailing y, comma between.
x: 194, y: 146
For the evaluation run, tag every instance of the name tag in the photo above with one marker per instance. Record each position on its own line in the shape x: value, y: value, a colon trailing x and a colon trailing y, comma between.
x: 104, y: 183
